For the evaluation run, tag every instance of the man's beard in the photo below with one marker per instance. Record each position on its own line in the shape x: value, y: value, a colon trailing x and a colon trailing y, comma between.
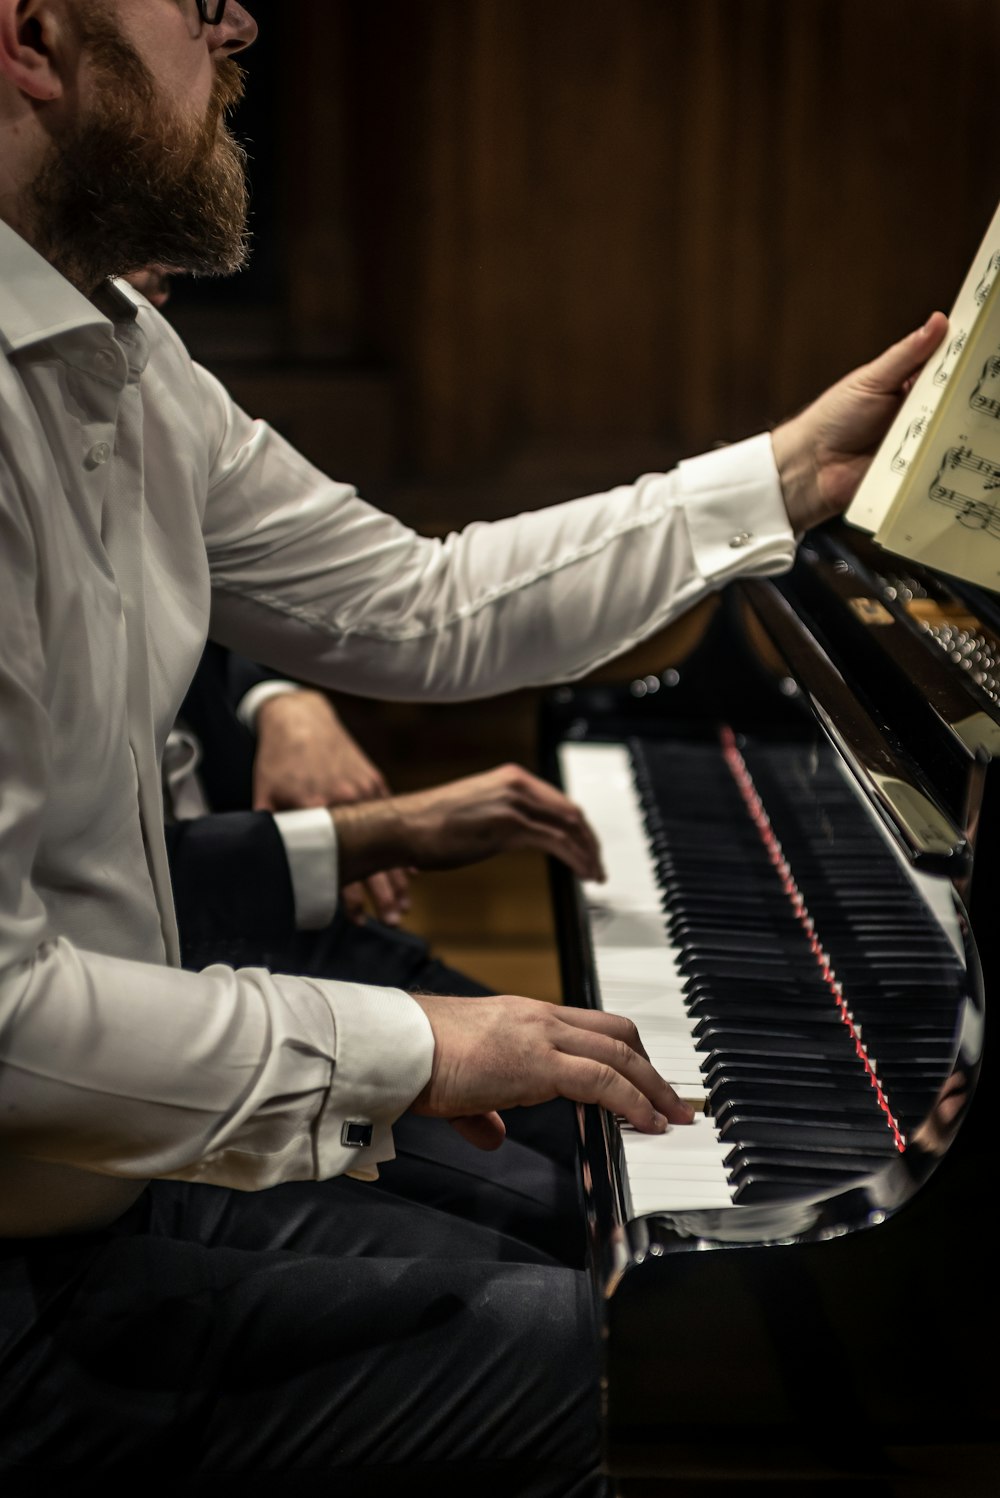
x: 133, y: 183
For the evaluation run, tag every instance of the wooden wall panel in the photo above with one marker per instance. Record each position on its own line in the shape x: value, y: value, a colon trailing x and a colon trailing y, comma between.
x: 648, y: 223
x: 668, y: 216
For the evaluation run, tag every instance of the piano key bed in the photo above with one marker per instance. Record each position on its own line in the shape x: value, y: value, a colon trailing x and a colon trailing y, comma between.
x: 778, y: 957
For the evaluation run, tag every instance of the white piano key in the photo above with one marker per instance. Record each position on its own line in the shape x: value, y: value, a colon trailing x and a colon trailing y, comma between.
x: 686, y: 1140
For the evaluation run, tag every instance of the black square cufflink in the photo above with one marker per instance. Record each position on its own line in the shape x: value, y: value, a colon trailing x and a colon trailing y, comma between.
x: 356, y: 1136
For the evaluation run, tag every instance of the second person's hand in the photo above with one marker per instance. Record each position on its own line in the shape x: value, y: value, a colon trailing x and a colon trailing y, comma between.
x: 503, y: 810
x: 305, y: 757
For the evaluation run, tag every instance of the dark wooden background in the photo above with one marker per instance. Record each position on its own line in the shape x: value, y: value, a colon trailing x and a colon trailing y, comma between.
x: 561, y: 238
x: 512, y: 250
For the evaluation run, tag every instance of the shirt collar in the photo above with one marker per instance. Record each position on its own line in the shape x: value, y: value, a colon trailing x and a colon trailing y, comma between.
x: 37, y: 303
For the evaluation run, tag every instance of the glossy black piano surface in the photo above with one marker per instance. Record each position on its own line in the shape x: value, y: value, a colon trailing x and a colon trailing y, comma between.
x: 839, y: 1322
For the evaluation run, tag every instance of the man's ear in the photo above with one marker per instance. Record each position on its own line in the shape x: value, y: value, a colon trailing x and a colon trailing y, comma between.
x: 33, y: 38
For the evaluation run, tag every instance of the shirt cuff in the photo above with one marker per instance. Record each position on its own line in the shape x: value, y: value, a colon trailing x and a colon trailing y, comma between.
x: 251, y: 702
x: 310, y: 841
x: 385, y: 1052
x: 735, y: 512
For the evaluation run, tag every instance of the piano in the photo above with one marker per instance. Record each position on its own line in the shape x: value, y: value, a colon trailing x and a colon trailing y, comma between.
x: 801, y: 827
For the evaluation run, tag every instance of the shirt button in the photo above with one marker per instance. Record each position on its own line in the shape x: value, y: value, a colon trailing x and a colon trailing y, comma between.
x: 99, y: 453
x: 742, y: 538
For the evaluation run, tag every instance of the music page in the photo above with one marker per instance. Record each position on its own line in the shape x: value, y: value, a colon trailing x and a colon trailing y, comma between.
x: 951, y: 395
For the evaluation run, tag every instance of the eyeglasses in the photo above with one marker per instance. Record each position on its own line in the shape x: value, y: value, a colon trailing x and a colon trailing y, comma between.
x: 211, y: 11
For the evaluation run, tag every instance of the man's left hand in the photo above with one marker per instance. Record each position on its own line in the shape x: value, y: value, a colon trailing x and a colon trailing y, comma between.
x: 824, y: 452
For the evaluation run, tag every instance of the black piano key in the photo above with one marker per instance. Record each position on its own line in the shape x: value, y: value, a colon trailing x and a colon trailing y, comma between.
x: 912, y: 1103
x: 711, y: 1009
x: 763, y: 1069
x: 878, y: 1019
x: 810, y: 1181
x: 711, y: 1032
x: 854, y: 1092
x: 734, y: 1042
x: 888, y: 936
x: 759, y: 1159
x: 934, y: 995
x: 829, y: 1138
x: 847, y: 1113
x: 752, y: 967
x: 923, y: 1052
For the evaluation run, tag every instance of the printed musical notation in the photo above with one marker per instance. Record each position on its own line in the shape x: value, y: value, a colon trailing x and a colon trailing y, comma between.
x: 986, y: 397
x: 932, y: 491
x: 963, y: 482
x: 989, y: 275
x: 950, y: 357
x: 909, y: 444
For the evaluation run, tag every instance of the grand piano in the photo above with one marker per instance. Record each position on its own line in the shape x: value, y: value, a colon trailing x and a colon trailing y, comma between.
x: 801, y: 824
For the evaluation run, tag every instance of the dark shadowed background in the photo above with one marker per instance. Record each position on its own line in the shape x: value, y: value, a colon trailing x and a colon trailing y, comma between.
x: 565, y: 237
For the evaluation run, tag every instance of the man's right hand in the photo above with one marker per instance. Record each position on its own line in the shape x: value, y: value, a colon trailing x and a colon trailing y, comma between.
x: 507, y: 1052
x: 463, y: 822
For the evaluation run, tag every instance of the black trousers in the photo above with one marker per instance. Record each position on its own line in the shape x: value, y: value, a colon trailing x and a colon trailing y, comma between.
x: 428, y: 1333
x: 338, y: 1336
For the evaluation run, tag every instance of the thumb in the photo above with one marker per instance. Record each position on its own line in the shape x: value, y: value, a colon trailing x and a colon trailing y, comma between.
x: 485, y: 1130
x: 891, y: 370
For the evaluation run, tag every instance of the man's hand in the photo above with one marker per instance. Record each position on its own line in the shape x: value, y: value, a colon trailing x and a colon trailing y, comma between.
x: 306, y: 757
x: 823, y: 453
x: 506, y: 1052
x: 465, y: 821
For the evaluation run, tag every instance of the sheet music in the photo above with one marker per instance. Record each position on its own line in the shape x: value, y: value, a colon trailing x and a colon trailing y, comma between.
x: 926, y: 421
x: 949, y: 513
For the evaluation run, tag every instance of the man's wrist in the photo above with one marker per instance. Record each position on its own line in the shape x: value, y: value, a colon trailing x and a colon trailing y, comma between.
x: 292, y: 705
x: 371, y: 836
x: 796, y: 464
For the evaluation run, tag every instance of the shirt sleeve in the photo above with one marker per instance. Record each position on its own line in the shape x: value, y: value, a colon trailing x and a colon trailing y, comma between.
x: 308, y: 576
x: 251, y: 702
x: 308, y: 835
x: 126, y: 1068
x: 310, y: 841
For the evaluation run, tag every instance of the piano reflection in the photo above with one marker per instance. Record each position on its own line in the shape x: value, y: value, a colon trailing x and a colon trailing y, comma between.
x: 801, y: 828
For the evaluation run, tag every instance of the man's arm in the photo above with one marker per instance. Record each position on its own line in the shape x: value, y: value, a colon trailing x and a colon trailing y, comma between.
x: 231, y: 873
x: 308, y: 576
x: 132, y: 1069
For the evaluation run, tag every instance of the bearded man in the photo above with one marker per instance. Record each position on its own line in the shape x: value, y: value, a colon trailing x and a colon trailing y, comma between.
x: 180, y: 1281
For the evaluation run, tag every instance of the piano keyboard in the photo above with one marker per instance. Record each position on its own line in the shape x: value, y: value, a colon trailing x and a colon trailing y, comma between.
x: 815, y: 1024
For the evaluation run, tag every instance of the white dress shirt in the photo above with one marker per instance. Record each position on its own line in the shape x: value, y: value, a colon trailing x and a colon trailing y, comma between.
x: 139, y: 506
